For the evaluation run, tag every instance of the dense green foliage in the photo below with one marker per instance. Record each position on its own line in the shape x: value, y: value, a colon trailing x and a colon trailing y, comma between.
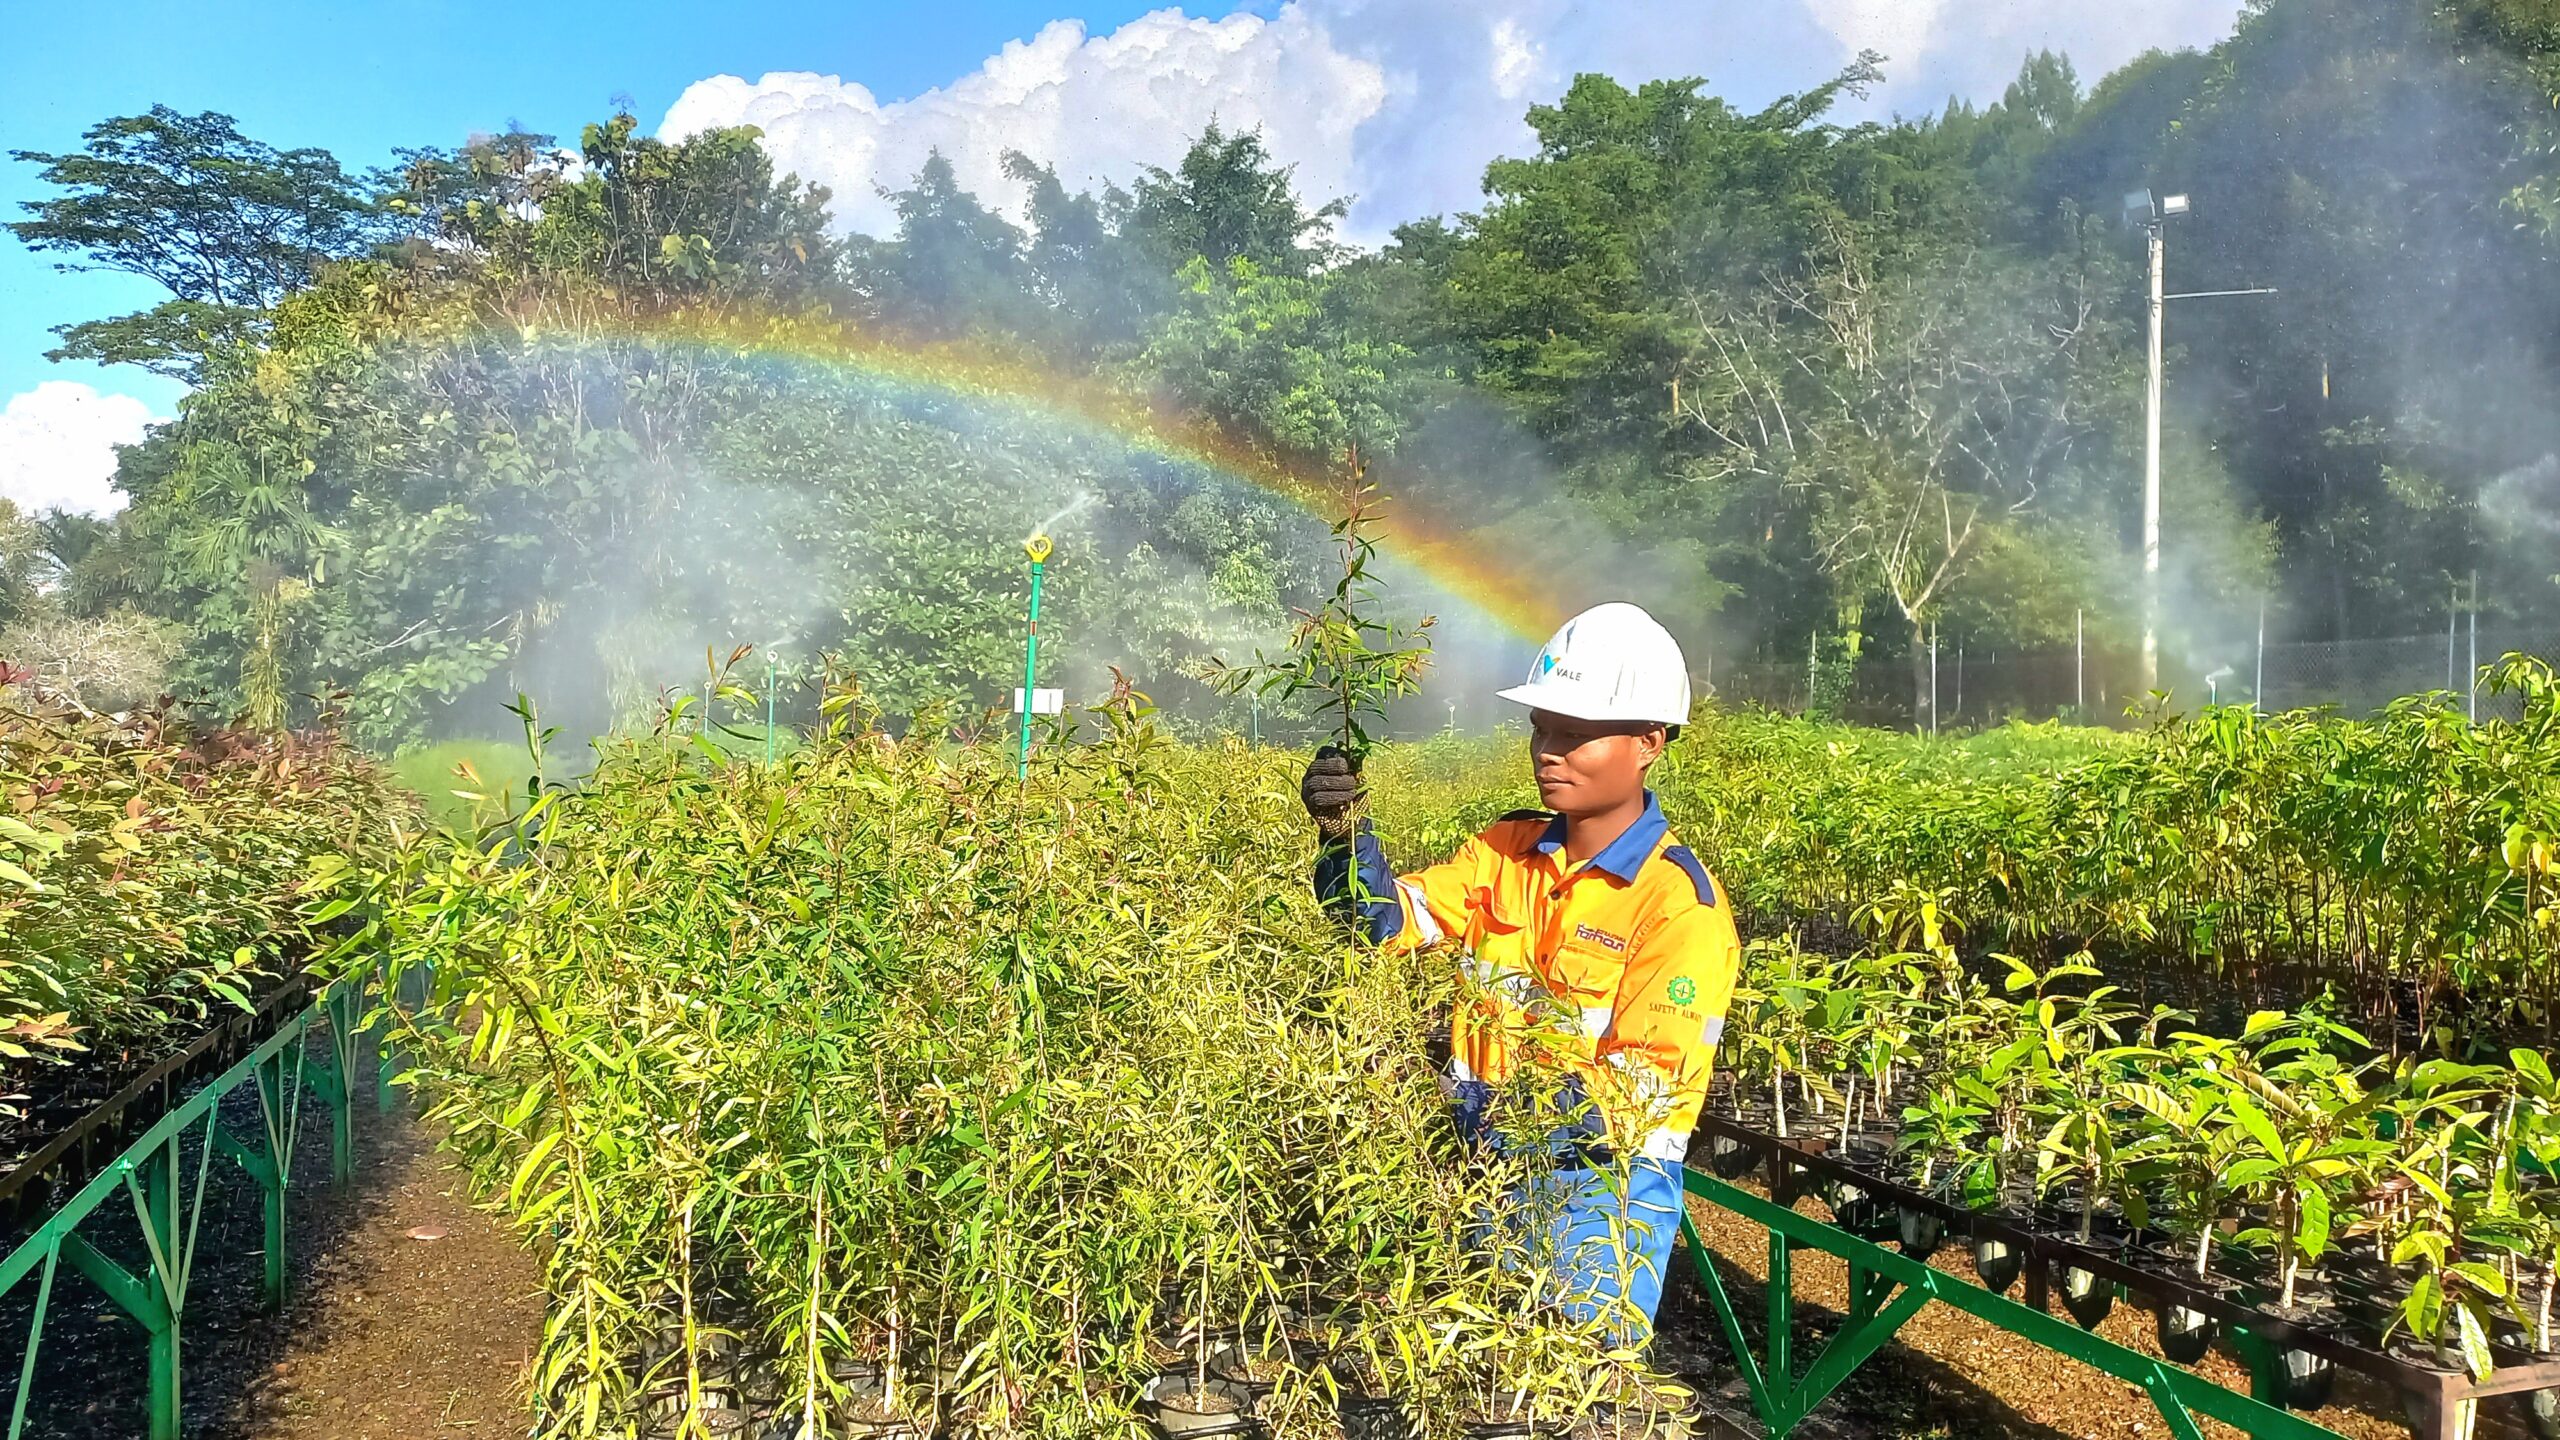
x: 1083, y: 1065
x: 151, y: 875
x: 1791, y: 381
x: 2415, y: 856
x: 2405, y: 1196
x: 875, y: 1079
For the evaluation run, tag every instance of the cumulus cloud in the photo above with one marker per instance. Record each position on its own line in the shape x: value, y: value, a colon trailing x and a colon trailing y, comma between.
x: 1460, y: 78
x: 1398, y: 103
x: 1098, y: 107
x: 58, y: 447
x: 1935, y: 48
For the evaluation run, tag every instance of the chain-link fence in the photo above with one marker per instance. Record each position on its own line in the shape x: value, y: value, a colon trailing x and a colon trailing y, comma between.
x: 1970, y: 689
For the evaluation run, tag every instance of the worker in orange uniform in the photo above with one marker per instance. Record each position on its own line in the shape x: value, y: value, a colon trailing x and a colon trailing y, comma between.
x: 1585, y: 930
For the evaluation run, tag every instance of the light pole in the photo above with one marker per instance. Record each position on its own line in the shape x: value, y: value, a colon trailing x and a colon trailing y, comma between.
x: 2154, y: 215
x: 2154, y: 219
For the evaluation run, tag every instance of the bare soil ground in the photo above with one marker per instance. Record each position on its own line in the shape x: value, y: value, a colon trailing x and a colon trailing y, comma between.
x: 383, y: 1336
x: 417, y: 1325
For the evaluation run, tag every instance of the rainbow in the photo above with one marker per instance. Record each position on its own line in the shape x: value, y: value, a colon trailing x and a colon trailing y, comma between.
x: 1441, y: 551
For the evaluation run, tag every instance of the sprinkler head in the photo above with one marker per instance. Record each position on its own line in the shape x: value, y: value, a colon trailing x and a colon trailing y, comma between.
x: 1037, y: 547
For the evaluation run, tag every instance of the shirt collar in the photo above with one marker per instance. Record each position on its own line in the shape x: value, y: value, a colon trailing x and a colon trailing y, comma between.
x: 1624, y: 856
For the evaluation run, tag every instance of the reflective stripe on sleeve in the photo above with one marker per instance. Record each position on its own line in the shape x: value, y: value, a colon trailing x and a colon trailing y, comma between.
x: 1712, y: 1033
x: 1423, y: 924
x: 1665, y: 1143
x: 1595, y: 1020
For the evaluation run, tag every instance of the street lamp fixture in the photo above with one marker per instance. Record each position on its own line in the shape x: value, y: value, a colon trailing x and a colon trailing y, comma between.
x: 2141, y: 207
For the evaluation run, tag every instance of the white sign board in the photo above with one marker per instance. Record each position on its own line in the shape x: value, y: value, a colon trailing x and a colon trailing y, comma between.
x: 1043, y: 702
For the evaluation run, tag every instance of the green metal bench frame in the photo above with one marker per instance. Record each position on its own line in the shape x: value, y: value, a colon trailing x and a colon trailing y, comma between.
x: 1887, y: 1288
x: 167, y: 1192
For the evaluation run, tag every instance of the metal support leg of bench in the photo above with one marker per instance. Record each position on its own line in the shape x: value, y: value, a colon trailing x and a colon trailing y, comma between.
x: 1886, y: 1288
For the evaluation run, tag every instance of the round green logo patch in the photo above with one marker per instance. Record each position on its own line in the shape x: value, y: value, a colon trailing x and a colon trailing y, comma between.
x: 1683, y: 990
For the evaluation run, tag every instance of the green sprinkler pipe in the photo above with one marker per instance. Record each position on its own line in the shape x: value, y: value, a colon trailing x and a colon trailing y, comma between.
x: 768, y: 708
x: 1037, y: 547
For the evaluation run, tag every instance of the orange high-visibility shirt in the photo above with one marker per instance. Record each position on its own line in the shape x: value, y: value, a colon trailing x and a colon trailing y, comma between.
x: 1623, y: 965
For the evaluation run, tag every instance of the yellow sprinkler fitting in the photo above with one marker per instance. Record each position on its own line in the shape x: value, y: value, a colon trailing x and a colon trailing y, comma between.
x: 1037, y: 547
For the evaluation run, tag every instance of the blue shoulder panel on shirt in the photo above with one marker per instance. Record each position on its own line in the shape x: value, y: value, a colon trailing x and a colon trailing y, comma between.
x: 1687, y: 860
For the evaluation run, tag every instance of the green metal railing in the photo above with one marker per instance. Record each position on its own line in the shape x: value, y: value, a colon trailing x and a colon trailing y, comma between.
x: 1887, y: 1288
x: 167, y: 1192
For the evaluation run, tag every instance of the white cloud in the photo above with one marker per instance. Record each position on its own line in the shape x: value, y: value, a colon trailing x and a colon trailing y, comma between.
x: 1935, y: 48
x: 1898, y: 29
x: 58, y: 447
x: 1096, y: 107
x: 1400, y: 103
x: 1515, y: 59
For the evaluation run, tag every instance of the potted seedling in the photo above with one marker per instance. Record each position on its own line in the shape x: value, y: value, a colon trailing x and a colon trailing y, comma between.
x: 2080, y: 1148
x: 2541, y: 1218
x: 2537, y: 1137
x: 2292, y: 1131
x: 2174, y: 1146
x: 1999, y: 1184
x: 1940, y: 1139
x: 1187, y: 1403
x: 1364, y: 1404
x: 2461, y: 1231
x: 1780, y: 1025
x: 2012, y: 1071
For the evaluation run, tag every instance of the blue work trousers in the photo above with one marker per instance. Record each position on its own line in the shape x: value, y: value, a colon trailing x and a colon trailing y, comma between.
x: 1607, y: 1224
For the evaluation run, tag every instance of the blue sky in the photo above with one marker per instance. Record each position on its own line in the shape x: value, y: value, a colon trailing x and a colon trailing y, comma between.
x: 409, y: 72
x: 1398, y: 103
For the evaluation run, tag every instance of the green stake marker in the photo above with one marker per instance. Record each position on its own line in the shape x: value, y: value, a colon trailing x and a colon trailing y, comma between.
x: 768, y: 708
x: 1037, y: 547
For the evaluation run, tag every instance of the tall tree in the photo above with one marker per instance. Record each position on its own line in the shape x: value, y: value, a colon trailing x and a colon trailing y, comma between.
x: 657, y: 223
x: 955, y: 266
x: 227, y: 224
x: 1919, y: 419
x: 1099, y: 290
x: 1229, y: 200
x: 1274, y: 360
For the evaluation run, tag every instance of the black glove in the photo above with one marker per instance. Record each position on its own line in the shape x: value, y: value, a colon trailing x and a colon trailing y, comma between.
x: 1332, y: 792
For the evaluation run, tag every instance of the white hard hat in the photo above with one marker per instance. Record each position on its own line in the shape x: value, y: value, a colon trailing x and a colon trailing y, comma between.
x: 1611, y: 662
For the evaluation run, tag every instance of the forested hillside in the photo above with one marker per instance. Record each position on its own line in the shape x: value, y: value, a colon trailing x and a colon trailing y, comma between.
x: 513, y: 416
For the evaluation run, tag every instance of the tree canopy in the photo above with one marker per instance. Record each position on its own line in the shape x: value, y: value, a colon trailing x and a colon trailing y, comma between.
x: 503, y: 415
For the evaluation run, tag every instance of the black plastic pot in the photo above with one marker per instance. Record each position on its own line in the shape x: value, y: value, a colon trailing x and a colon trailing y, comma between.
x: 1866, y: 1154
x: 2186, y: 1335
x: 1999, y: 1263
x: 1375, y: 1417
x: 1506, y: 1428
x: 2088, y: 1295
x: 2303, y: 1381
x: 1731, y: 1159
x: 2541, y: 1412
x: 1621, y: 1422
x: 865, y: 1414
x: 1178, y: 1405
x: 1856, y: 1209
x: 1920, y: 1232
x: 2425, y: 1357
